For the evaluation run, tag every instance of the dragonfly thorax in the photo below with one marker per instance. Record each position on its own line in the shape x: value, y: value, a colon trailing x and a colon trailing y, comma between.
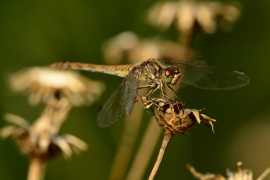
x: 170, y: 75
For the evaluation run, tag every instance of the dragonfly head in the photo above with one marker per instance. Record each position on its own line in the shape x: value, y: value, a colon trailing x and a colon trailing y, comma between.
x: 170, y: 75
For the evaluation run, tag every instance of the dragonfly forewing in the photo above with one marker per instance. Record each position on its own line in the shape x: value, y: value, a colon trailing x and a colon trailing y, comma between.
x: 121, y: 101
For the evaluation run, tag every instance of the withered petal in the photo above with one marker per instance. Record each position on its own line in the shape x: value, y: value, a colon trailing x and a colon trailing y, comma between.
x: 17, y: 120
x: 75, y: 142
x: 64, y: 146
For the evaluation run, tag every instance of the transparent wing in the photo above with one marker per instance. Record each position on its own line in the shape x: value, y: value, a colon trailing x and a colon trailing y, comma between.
x: 198, y: 74
x: 120, y: 101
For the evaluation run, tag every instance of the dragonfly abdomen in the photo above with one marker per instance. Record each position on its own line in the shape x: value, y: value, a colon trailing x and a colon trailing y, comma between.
x: 118, y: 70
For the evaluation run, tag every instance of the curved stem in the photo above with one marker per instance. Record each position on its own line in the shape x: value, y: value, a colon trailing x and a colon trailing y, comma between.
x: 36, y: 169
x: 166, y: 139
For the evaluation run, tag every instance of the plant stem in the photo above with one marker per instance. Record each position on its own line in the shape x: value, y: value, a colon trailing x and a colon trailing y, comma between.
x: 166, y: 139
x: 36, y: 170
x: 264, y: 174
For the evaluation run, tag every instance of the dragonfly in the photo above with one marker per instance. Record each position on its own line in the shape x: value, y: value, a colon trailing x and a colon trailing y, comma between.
x: 158, y: 74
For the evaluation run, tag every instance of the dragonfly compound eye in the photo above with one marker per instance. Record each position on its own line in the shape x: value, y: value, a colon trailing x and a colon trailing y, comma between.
x: 172, y: 75
x: 170, y: 71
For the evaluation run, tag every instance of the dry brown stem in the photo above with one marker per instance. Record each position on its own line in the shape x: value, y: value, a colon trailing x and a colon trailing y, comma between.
x: 166, y: 139
x: 36, y: 168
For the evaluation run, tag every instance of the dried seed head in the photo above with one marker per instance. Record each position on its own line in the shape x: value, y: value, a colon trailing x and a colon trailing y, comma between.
x: 40, y: 141
x: 128, y: 45
x: 185, y: 14
x: 207, y: 176
x: 240, y: 174
x: 44, y: 84
x: 174, y: 118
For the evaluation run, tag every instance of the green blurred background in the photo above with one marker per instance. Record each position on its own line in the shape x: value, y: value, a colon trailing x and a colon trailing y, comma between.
x: 38, y: 33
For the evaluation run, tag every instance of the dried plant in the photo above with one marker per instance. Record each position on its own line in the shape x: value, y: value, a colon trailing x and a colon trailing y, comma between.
x: 59, y: 91
x: 207, y: 176
x: 128, y: 45
x: 43, y: 84
x: 187, y: 13
x: 189, y: 16
x: 240, y: 174
x: 41, y: 140
x: 175, y: 119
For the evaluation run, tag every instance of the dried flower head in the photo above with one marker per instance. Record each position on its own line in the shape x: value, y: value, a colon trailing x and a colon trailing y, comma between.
x: 240, y: 174
x: 207, y: 176
x: 44, y: 84
x: 128, y: 45
x: 187, y: 13
x: 174, y: 118
x: 40, y: 140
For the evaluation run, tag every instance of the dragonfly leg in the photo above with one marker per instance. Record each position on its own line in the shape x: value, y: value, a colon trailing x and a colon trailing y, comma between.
x: 153, y: 114
x: 154, y: 89
x: 173, y: 91
x: 148, y: 104
x: 149, y: 86
x: 163, y: 91
x: 152, y: 92
x: 145, y: 103
x: 146, y: 86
